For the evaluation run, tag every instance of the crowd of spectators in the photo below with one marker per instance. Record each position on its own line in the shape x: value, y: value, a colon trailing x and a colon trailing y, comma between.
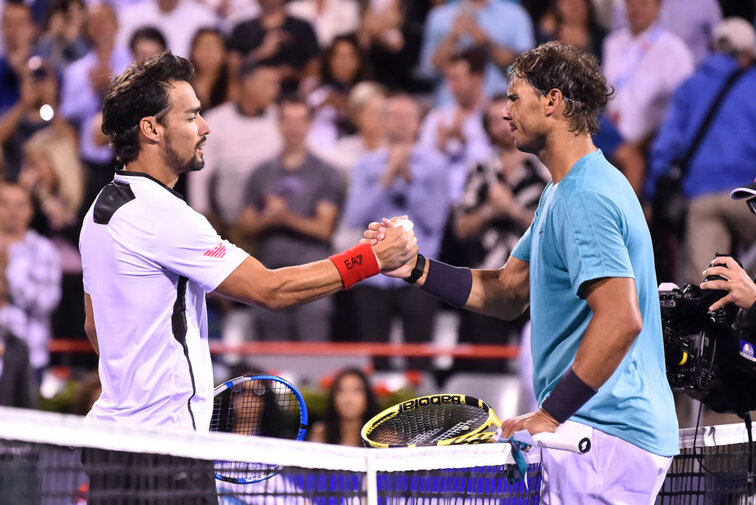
x: 328, y: 114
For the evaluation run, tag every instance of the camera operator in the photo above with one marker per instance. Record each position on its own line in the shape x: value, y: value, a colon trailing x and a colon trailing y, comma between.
x: 740, y: 288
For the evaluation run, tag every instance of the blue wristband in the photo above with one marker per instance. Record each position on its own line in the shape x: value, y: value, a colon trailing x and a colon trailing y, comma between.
x: 568, y: 396
x: 447, y: 283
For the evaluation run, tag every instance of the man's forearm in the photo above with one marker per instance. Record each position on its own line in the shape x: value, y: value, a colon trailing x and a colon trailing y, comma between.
x: 491, y: 297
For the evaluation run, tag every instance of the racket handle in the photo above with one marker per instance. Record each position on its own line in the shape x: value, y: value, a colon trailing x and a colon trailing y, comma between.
x: 578, y: 444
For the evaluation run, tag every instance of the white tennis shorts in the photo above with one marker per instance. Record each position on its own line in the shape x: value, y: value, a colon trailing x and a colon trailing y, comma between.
x: 613, y: 472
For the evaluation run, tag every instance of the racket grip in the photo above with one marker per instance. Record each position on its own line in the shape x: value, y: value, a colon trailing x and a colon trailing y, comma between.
x: 578, y: 444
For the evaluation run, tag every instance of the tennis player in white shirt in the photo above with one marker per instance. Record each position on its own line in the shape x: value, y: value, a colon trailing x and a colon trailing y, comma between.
x: 149, y: 259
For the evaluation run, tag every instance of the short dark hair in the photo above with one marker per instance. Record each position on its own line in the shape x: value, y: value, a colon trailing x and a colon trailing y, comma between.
x: 147, y: 33
x: 574, y: 72
x: 475, y: 58
x: 293, y: 99
x: 140, y: 91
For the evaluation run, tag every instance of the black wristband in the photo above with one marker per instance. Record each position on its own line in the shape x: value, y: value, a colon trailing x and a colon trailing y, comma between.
x: 568, y: 396
x: 447, y: 283
x: 417, y: 272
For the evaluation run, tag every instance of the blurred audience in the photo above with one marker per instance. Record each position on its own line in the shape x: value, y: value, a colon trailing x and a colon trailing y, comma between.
x: 36, y: 109
x: 146, y: 42
x: 726, y: 155
x: 54, y: 176
x: 210, y: 63
x: 691, y: 20
x: 341, y: 68
x: 401, y: 178
x: 18, y: 387
x: 456, y: 129
x: 63, y: 39
x: 84, y: 83
x: 644, y: 63
x: 329, y: 18
x: 502, y: 29
x: 244, y: 134
x: 351, y: 403
x: 292, y: 205
x: 32, y: 270
x: 18, y: 32
x: 498, y: 205
x: 57, y: 56
x: 177, y: 20
x: 274, y: 35
x: 573, y: 22
x: 391, y: 35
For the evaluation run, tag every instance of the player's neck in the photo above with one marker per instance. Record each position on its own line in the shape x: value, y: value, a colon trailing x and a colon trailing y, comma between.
x: 563, y: 151
x: 154, y: 168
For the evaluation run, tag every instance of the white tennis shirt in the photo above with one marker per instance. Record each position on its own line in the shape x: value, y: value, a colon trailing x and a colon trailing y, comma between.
x: 148, y: 260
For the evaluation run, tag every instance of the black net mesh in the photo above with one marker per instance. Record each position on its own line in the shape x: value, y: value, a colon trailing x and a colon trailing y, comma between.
x: 709, y: 475
x: 42, y: 474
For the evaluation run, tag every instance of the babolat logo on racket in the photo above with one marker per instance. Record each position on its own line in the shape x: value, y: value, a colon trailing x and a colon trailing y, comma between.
x: 429, y: 400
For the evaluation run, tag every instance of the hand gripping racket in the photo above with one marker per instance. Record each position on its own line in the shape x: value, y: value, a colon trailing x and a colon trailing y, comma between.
x: 451, y: 419
x: 263, y: 405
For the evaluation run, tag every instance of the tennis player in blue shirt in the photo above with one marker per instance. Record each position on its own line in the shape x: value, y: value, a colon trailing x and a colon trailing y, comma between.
x: 585, y: 267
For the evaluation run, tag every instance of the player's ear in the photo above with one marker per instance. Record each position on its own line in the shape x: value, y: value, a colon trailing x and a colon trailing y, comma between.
x: 150, y: 128
x: 552, y: 100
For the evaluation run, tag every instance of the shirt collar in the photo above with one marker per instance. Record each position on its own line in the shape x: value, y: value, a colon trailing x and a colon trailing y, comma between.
x: 129, y: 173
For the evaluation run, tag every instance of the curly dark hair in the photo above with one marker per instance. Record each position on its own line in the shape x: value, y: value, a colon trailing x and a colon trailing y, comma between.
x: 574, y: 72
x: 141, y: 90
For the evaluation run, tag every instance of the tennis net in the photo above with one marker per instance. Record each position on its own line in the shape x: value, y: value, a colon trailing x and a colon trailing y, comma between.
x: 53, y: 459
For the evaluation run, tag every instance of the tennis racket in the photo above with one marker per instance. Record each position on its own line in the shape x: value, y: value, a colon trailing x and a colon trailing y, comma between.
x: 262, y: 405
x: 451, y: 419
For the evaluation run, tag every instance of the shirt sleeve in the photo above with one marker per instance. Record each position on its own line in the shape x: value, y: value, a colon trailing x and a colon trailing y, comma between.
x: 188, y: 245
x: 590, y: 239
x: 522, y: 250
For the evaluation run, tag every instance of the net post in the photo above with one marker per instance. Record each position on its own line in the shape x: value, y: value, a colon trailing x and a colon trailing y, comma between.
x: 371, y: 478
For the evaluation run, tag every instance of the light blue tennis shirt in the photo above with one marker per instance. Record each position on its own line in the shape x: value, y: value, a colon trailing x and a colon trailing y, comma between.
x: 590, y: 226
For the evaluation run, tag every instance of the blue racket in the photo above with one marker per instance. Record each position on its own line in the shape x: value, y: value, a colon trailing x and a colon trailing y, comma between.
x: 262, y: 405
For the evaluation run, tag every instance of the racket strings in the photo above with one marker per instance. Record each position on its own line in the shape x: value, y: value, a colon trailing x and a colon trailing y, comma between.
x: 429, y: 425
x: 262, y: 407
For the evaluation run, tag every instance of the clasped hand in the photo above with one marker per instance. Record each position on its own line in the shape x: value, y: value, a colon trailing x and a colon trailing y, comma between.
x: 394, y: 262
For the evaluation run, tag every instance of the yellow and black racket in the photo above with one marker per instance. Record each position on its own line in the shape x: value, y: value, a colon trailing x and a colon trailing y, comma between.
x: 443, y: 419
x: 452, y: 419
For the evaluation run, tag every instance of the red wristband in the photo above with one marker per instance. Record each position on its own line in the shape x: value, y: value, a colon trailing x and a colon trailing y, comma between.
x: 356, y: 264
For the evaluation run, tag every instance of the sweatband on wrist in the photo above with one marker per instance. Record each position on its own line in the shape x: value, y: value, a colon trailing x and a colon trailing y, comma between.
x: 568, y: 396
x: 447, y: 283
x: 355, y: 264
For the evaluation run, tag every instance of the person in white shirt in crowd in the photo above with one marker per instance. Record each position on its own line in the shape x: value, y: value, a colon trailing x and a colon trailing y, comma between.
x: 84, y: 83
x: 178, y: 20
x: 246, y: 134
x: 31, y: 265
x: 644, y: 63
x: 691, y: 20
x: 329, y: 18
x: 456, y: 130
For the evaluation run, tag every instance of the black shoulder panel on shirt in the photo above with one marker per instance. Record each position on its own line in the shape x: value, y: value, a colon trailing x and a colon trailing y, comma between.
x: 112, y: 197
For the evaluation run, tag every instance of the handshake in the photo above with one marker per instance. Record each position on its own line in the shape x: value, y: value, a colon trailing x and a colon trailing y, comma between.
x: 394, y: 244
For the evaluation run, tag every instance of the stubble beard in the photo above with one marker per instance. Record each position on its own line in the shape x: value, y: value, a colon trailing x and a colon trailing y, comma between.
x: 182, y: 166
